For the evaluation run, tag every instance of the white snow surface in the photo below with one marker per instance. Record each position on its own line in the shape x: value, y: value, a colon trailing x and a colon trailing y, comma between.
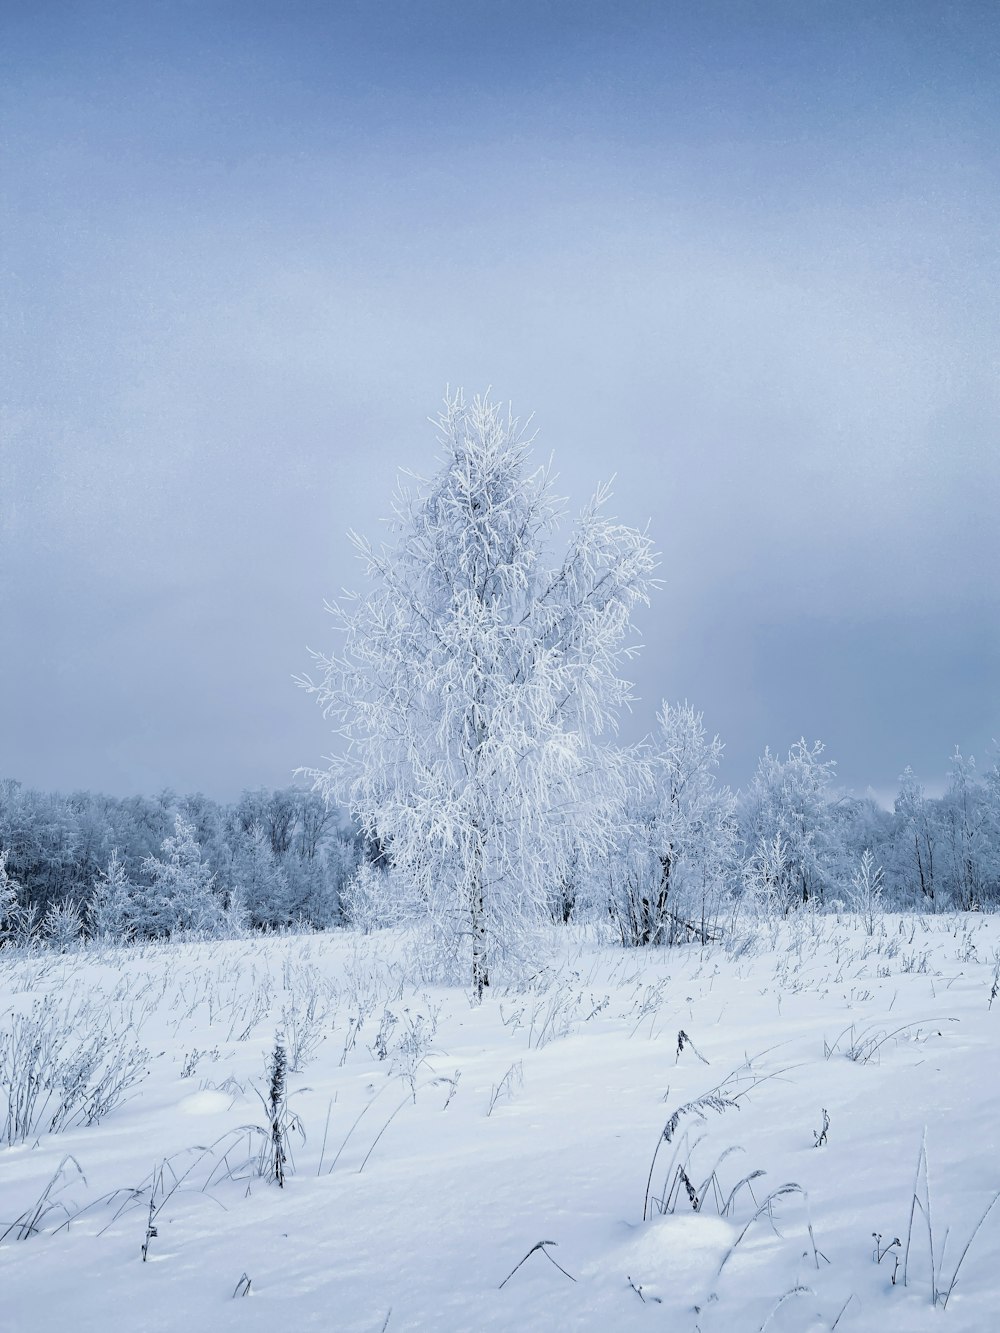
x: 487, y: 1128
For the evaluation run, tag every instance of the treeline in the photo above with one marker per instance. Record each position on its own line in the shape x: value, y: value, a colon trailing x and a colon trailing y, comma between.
x: 88, y: 864
x: 688, y: 851
x: 926, y: 853
x: 684, y: 852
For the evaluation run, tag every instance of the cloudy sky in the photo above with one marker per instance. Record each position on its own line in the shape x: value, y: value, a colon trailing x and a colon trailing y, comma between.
x: 742, y: 255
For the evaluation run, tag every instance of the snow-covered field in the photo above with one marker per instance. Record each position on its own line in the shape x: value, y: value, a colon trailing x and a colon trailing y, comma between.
x: 444, y: 1140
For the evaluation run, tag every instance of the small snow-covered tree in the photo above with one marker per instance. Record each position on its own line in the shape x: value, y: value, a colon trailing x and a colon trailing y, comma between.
x: 767, y: 877
x: 668, y: 866
x: 62, y: 926
x: 477, y: 681
x: 971, y: 860
x: 695, y: 827
x: 258, y: 880
x: 786, y: 804
x: 110, y: 910
x: 866, y: 891
x: 180, y: 896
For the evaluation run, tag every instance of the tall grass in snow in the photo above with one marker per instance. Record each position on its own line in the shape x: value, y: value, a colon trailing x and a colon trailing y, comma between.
x: 58, y: 1068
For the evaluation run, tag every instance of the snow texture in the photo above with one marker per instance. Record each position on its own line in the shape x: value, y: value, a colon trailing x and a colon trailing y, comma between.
x: 433, y: 1144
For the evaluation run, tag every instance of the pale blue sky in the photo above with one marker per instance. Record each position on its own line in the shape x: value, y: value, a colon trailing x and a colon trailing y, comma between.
x: 745, y: 256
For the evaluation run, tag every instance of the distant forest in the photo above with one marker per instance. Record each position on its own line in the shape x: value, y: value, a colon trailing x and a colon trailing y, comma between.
x: 152, y: 866
x: 86, y: 865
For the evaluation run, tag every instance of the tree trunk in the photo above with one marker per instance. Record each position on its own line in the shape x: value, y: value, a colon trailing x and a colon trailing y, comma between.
x: 477, y: 918
x: 662, y: 895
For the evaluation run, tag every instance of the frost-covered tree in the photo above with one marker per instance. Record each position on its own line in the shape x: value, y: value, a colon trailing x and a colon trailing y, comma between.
x: 866, y: 895
x: 62, y: 926
x: 273, y: 813
x: 668, y: 866
x: 695, y: 828
x: 40, y: 833
x: 916, y: 838
x: 208, y: 827
x: 180, y: 895
x: 9, y: 905
x: 477, y: 682
x: 990, y: 835
x: 110, y: 909
x: 258, y: 880
x: 767, y: 877
x: 287, y: 857
x: 968, y: 825
x: 786, y: 805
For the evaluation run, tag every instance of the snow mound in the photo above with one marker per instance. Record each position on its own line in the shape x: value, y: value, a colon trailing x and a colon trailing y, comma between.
x: 207, y: 1102
x: 682, y: 1250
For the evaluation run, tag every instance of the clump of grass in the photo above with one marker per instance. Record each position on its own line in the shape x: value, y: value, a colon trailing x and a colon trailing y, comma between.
x: 637, y: 1288
x: 304, y: 1014
x: 508, y: 1085
x: 766, y: 1209
x: 792, y: 1292
x: 920, y: 1204
x: 60, y: 1068
x: 713, y: 1102
x: 268, y: 1146
x: 192, y: 1059
x: 156, y: 1192
x: 30, y: 1222
x: 565, y: 1009
x: 151, y: 1230
x: 450, y: 1083
x: 865, y: 1045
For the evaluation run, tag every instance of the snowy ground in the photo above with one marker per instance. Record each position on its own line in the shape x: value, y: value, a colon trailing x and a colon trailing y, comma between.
x: 485, y: 1130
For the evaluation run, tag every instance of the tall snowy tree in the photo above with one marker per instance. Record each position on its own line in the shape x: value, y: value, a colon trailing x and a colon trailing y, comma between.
x: 968, y: 825
x: 478, y: 682
x: 916, y: 837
